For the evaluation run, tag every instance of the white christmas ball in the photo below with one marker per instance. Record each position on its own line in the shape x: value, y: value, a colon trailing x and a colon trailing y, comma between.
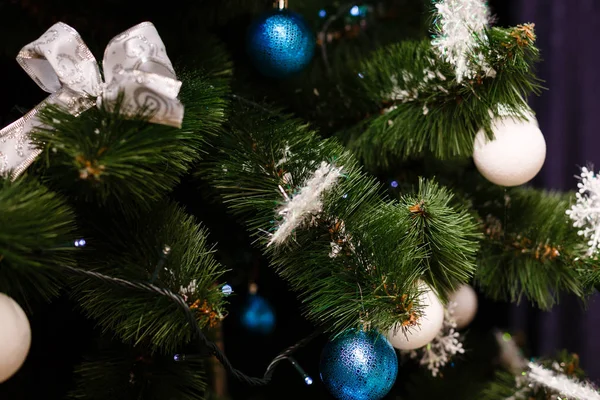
x: 15, y: 337
x: 515, y: 156
x: 429, y: 323
x: 465, y: 306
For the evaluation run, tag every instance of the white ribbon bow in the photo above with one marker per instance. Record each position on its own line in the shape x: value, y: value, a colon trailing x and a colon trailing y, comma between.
x: 135, y: 64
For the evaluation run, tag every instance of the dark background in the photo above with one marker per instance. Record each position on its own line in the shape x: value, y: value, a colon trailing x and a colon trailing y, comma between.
x: 568, y: 115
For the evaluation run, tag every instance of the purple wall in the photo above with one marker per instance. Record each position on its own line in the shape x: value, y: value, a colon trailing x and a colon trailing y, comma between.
x: 569, y: 114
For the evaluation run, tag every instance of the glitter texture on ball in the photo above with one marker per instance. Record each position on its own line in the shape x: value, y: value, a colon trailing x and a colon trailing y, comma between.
x: 359, y: 365
x: 280, y: 43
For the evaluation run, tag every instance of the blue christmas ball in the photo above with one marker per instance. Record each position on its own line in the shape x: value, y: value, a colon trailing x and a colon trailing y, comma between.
x: 280, y: 43
x: 359, y: 365
x: 258, y: 315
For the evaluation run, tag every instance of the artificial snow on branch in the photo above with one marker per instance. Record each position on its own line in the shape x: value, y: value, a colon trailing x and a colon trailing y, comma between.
x: 585, y: 213
x: 409, y: 87
x: 534, y: 378
x: 560, y: 383
x: 456, y: 25
x: 306, y: 203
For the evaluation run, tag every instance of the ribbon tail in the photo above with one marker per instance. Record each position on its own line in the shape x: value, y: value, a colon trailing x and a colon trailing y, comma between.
x: 17, y: 149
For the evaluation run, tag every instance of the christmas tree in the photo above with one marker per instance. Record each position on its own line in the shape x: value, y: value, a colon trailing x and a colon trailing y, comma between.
x: 364, y: 165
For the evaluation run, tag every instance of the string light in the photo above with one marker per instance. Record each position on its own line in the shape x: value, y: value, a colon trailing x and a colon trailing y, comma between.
x: 307, y: 379
x: 227, y: 290
x: 186, y: 357
x: 166, y: 250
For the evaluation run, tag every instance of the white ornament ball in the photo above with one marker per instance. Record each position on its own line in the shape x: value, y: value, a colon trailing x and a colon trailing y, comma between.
x: 429, y: 324
x: 515, y: 156
x: 15, y: 337
x: 465, y: 306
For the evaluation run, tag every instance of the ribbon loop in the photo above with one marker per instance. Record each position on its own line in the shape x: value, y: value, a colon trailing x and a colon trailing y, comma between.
x: 60, y: 58
x: 138, y: 48
x: 135, y: 64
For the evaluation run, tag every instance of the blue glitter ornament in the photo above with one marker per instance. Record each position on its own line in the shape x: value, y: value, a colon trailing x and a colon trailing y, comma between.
x: 258, y: 315
x: 359, y: 365
x: 280, y: 43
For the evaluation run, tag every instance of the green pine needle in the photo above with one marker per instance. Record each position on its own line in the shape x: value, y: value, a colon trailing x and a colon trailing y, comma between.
x: 383, y: 253
x: 132, y: 250
x: 105, y: 156
x: 423, y: 114
x: 37, y: 232
x: 449, y: 235
x: 531, y: 248
x: 129, y: 374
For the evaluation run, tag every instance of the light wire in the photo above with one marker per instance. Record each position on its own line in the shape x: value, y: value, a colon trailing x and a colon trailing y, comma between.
x: 212, y: 347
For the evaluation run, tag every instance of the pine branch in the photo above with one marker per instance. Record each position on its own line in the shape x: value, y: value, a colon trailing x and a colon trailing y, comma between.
x: 530, y: 247
x: 528, y: 240
x: 124, y: 374
x: 164, y: 246
x: 502, y: 387
x: 329, y: 93
x: 105, y: 156
x: 506, y: 385
x: 353, y: 263
x: 425, y: 110
x: 207, y: 346
x: 37, y: 232
x: 447, y: 232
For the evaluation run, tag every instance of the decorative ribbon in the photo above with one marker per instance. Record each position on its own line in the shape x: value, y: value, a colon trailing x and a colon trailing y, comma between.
x: 135, y: 64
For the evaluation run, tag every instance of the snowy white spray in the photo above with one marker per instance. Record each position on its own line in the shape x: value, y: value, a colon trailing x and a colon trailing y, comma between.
x: 306, y: 203
x: 457, y: 22
x: 443, y: 347
x: 532, y: 376
x: 560, y: 383
x: 585, y: 213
